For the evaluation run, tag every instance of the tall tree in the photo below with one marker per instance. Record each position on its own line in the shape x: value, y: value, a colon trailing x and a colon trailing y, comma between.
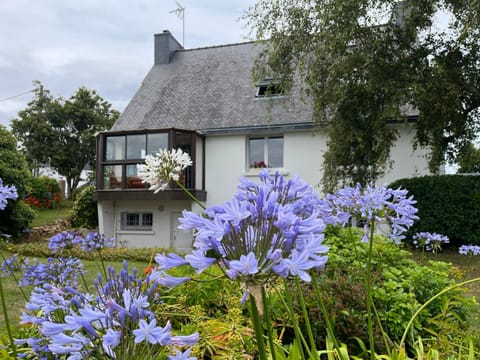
x: 62, y: 132
x: 366, y: 65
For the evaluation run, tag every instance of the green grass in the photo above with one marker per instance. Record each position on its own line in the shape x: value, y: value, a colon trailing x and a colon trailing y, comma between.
x: 50, y: 216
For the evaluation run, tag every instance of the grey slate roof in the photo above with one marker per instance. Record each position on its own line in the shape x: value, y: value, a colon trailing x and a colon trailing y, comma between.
x: 209, y: 88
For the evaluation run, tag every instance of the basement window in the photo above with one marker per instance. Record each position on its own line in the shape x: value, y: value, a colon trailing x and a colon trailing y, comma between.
x: 269, y: 87
x: 137, y: 221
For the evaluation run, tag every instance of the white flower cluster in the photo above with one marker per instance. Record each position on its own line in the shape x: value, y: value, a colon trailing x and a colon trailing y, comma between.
x: 165, y: 166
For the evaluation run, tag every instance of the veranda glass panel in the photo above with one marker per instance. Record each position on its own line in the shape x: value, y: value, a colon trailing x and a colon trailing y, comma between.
x: 136, y: 146
x: 115, y: 149
x: 112, y: 177
x: 133, y: 181
x: 156, y: 141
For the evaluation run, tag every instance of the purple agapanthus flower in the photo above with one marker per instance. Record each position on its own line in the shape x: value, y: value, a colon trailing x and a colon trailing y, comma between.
x: 430, y: 241
x: 6, y: 193
x: 95, y: 242
x: 375, y: 204
x: 469, y: 250
x: 81, y: 324
x: 64, y: 240
x: 179, y: 355
x: 153, y: 334
x: 260, y: 232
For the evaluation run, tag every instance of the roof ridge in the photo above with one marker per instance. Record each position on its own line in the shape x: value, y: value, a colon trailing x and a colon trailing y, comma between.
x: 218, y: 46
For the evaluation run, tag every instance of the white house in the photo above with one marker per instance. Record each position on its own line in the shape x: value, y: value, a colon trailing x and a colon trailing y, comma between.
x: 204, y: 101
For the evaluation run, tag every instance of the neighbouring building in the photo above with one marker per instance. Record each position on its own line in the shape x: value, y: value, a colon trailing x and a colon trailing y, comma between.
x: 205, y: 102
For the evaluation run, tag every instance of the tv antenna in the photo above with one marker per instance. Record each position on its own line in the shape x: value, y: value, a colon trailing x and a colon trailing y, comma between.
x: 180, y: 12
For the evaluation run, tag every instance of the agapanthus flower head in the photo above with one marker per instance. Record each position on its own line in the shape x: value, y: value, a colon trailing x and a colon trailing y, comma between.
x: 95, y: 242
x: 376, y: 204
x: 270, y: 228
x: 7, y: 192
x: 161, y: 169
x: 56, y: 271
x: 10, y: 265
x: 82, y: 325
x: 430, y: 241
x: 64, y: 240
x: 469, y: 250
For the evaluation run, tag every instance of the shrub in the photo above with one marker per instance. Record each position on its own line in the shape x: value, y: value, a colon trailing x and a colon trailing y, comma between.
x: 17, y: 216
x: 84, y: 212
x: 448, y: 205
x: 44, y: 192
x: 400, y: 287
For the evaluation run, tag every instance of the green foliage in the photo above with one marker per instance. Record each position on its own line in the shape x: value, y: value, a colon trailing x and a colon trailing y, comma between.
x: 400, y: 287
x: 14, y: 171
x: 84, y: 212
x: 62, y: 132
x: 447, y: 205
x: 361, y: 61
x: 469, y: 159
x: 43, y: 192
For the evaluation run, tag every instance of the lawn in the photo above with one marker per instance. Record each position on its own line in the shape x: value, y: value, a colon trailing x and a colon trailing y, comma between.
x: 50, y: 216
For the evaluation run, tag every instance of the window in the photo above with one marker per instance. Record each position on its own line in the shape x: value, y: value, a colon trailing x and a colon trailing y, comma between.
x: 121, y: 152
x: 269, y: 87
x: 112, y: 177
x: 265, y: 152
x: 136, y: 146
x: 115, y: 148
x: 137, y: 221
x: 156, y: 142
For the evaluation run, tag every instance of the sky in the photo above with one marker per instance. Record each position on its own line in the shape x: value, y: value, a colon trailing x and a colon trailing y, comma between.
x: 104, y: 45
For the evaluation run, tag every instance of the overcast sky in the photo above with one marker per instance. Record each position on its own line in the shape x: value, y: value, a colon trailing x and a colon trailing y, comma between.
x: 105, y: 45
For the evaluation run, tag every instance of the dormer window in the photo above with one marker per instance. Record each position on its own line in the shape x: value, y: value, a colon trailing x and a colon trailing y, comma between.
x: 269, y: 87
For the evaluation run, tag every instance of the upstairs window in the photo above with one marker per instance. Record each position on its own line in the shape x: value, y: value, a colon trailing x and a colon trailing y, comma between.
x: 265, y: 152
x: 269, y: 87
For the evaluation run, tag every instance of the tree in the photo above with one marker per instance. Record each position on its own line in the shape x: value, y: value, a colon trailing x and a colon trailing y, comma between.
x: 469, y: 159
x: 365, y: 64
x: 62, y: 132
x: 17, y: 216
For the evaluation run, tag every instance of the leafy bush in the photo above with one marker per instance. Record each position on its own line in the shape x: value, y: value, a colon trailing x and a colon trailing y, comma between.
x: 400, y: 287
x: 44, y: 192
x: 448, y: 205
x: 17, y: 216
x: 84, y: 212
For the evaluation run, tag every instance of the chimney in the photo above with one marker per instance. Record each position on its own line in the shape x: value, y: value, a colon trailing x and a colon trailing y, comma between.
x: 165, y: 47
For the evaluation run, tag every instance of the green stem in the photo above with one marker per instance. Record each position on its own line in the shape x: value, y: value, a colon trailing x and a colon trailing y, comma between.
x: 296, y: 327
x: 368, y: 285
x: 16, y: 280
x: 193, y: 197
x: 306, y: 319
x: 7, y: 322
x: 257, y: 326
x: 104, y: 269
x: 266, y: 312
x: 326, y: 318
x: 433, y: 298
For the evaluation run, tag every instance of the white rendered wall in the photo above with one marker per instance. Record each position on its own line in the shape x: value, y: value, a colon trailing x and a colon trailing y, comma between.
x: 226, y: 162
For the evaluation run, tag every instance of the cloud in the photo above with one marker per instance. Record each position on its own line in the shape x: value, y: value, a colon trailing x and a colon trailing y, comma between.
x: 103, y: 45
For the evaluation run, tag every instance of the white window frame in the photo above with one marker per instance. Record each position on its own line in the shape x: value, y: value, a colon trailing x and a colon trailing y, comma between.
x: 265, y: 150
x: 143, y: 221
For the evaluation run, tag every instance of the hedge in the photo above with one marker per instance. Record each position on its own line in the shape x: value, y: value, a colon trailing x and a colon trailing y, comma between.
x: 447, y: 204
